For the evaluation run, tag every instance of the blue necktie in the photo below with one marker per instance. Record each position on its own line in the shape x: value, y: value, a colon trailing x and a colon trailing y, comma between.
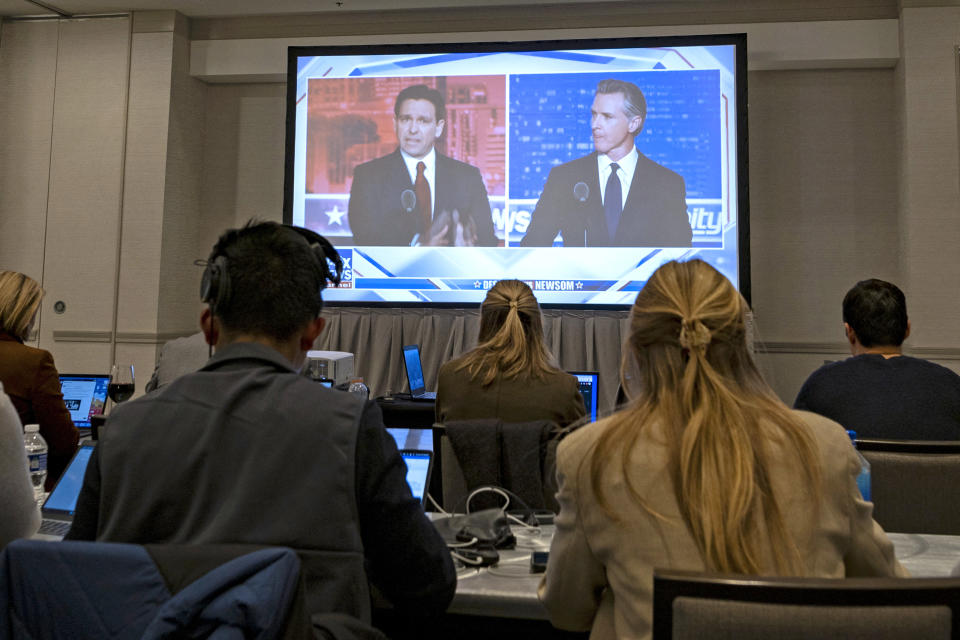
x: 613, y: 201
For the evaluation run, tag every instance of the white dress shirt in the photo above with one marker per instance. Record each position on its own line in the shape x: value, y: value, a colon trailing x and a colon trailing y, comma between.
x: 627, y: 164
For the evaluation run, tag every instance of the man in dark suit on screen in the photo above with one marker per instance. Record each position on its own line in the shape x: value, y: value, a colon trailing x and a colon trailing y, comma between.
x: 616, y: 196
x: 415, y: 196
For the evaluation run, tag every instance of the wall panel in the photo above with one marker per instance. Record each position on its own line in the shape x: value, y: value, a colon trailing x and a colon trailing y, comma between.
x: 86, y: 174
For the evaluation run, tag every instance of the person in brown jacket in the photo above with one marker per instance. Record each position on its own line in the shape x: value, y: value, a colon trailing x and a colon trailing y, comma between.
x: 509, y: 375
x: 29, y: 375
x: 705, y: 470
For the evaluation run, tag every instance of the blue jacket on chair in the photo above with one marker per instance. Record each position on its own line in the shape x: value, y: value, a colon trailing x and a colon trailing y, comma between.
x: 117, y: 591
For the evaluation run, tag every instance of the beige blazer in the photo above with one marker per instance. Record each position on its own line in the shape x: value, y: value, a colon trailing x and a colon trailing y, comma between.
x: 600, y: 574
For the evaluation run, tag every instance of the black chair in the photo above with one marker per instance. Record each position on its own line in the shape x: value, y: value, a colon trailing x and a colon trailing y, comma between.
x: 914, y: 484
x: 520, y: 457
x: 688, y: 604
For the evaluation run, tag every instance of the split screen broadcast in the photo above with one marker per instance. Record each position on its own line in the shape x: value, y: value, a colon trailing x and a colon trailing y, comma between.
x: 439, y: 169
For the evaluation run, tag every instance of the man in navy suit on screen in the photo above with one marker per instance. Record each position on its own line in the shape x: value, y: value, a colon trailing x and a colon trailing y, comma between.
x: 415, y: 196
x: 616, y: 196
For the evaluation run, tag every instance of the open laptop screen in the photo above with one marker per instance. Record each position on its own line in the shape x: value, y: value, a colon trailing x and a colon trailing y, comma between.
x: 63, y: 498
x: 411, y: 358
x: 418, y: 472
x: 419, y: 439
x: 85, y: 395
x: 587, y: 381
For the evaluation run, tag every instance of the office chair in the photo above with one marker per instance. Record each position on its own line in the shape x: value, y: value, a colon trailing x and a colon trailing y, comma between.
x: 518, y: 456
x: 689, y: 604
x: 915, y: 485
x: 76, y: 590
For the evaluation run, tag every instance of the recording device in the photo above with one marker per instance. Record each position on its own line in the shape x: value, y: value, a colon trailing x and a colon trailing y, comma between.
x: 538, y: 561
x: 581, y: 191
x: 408, y: 200
x: 479, y: 557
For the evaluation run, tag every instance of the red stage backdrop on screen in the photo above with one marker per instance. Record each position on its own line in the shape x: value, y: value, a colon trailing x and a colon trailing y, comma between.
x: 350, y: 121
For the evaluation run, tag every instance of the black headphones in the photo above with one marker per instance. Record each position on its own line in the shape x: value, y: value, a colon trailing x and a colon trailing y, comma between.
x: 215, y: 285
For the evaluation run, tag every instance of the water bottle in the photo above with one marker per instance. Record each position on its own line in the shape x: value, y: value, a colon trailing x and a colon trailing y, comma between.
x: 863, y: 478
x: 357, y: 387
x: 36, y: 448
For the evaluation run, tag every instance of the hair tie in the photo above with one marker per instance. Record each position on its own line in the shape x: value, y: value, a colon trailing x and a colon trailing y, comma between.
x: 513, y: 304
x: 694, y: 335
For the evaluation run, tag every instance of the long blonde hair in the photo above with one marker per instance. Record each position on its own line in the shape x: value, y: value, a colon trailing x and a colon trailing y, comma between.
x: 511, y: 336
x: 693, y: 374
x: 20, y: 297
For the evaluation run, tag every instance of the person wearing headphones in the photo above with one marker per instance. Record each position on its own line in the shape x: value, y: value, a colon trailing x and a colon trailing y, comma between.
x: 247, y: 451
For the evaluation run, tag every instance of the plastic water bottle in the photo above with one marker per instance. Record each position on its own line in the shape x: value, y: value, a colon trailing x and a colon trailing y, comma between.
x: 36, y: 448
x: 863, y: 478
x: 357, y: 387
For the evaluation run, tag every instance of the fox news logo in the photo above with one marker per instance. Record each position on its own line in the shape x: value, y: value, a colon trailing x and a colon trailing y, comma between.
x: 346, y: 278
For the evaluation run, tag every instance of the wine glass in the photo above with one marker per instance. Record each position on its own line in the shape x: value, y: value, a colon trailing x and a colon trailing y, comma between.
x: 121, y: 384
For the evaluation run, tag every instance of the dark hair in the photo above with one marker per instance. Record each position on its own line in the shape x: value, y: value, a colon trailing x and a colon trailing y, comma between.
x: 634, y: 103
x: 877, y: 312
x: 273, y: 276
x: 422, y: 92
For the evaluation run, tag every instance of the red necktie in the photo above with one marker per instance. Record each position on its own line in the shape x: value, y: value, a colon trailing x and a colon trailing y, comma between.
x: 422, y: 188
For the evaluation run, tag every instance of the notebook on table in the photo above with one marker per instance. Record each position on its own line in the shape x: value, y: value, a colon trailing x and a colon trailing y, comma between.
x: 419, y: 467
x: 587, y: 381
x: 85, y: 395
x: 60, y: 505
x: 411, y: 360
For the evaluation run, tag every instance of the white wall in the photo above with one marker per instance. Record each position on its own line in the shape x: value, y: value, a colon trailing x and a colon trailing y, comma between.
x: 853, y: 172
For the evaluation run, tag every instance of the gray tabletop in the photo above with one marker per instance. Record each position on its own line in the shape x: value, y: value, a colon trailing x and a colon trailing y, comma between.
x: 925, y: 555
x: 509, y: 590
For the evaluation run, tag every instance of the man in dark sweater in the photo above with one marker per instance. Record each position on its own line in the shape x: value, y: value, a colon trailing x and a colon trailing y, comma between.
x: 879, y: 392
x: 247, y: 451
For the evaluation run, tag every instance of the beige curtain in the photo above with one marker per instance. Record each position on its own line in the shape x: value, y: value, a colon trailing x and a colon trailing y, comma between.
x: 580, y: 341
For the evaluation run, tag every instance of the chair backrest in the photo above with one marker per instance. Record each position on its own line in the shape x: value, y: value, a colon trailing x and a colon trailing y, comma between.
x: 914, y: 485
x: 689, y: 605
x: 520, y: 457
x: 80, y: 590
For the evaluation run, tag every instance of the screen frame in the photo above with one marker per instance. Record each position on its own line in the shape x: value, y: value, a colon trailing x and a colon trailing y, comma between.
x: 738, y: 40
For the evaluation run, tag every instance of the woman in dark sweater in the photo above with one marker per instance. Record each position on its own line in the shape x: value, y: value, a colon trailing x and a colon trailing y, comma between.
x: 509, y: 375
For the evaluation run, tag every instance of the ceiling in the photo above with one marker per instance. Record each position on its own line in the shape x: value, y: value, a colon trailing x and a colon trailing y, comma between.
x: 221, y: 8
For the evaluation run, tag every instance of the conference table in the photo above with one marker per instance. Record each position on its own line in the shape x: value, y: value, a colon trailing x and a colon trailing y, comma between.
x: 509, y: 590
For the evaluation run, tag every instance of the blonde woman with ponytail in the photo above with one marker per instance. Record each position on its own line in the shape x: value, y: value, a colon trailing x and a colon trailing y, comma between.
x: 510, y: 374
x: 705, y: 470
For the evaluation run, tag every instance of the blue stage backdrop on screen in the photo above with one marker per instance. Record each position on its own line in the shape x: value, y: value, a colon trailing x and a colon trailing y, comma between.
x: 550, y: 125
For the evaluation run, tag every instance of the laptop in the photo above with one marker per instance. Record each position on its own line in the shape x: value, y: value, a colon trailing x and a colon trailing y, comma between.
x: 419, y: 467
x: 415, y: 438
x: 85, y: 395
x: 60, y: 505
x: 411, y: 360
x: 588, y: 383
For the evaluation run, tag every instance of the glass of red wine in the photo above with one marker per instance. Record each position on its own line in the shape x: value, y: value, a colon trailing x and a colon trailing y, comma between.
x: 120, y: 387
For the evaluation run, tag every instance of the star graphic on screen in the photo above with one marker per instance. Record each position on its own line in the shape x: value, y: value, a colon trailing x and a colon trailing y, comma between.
x: 477, y: 284
x: 579, y: 285
x: 335, y: 215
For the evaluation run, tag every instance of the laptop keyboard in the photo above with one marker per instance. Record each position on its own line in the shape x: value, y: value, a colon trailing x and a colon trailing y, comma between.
x: 54, y: 527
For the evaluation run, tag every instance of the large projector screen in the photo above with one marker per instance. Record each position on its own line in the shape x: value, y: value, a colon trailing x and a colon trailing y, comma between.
x: 578, y: 166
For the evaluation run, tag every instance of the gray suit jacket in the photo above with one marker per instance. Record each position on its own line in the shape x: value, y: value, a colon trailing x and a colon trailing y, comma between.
x: 247, y: 451
x: 655, y: 214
